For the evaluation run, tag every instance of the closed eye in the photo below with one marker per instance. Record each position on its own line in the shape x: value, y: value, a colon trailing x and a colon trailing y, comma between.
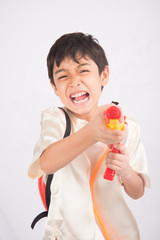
x: 61, y: 77
x: 84, y: 70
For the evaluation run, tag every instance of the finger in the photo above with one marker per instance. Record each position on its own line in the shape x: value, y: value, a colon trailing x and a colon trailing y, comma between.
x: 109, y: 146
x: 117, y: 158
x: 113, y: 167
x: 109, y: 161
x: 116, y: 136
x: 111, y: 155
x: 121, y: 148
x: 113, y: 132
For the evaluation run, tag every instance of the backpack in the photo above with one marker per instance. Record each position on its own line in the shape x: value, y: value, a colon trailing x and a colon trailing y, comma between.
x: 44, y: 189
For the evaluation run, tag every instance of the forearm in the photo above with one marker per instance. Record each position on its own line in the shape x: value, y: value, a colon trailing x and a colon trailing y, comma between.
x: 60, y: 153
x: 133, y: 184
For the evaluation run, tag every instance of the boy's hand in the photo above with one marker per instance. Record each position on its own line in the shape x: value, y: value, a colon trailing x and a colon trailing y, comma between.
x: 101, y: 133
x: 119, y: 162
x: 133, y: 182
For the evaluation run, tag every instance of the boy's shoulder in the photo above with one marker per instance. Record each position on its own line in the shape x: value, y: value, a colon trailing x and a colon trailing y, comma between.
x: 52, y: 112
x: 52, y: 109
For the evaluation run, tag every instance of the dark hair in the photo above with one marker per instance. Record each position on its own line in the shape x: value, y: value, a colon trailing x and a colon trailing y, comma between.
x: 69, y: 45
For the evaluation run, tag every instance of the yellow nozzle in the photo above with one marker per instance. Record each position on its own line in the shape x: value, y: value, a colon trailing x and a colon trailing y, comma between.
x: 115, y: 124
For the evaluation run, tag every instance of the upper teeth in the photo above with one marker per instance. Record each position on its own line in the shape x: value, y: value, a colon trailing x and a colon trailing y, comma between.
x: 78, y: 94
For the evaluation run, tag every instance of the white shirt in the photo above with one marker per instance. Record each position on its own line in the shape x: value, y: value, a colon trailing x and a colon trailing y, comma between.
x: 71, y: 215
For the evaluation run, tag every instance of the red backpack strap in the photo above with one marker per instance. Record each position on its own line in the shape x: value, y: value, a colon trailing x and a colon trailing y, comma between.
x: 44, y: 189
x: 45, y: 194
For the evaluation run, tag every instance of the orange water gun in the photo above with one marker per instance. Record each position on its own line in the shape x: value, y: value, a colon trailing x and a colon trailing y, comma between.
x: 114, y: 119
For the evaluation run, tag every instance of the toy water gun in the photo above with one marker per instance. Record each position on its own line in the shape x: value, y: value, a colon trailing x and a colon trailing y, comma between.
x: 114, y: 119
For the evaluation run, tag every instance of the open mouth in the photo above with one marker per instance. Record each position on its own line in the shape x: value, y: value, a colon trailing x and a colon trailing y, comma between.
x: 79, y: 97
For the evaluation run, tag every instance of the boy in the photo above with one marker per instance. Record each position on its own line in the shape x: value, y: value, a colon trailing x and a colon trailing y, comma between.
x: 78, y: 70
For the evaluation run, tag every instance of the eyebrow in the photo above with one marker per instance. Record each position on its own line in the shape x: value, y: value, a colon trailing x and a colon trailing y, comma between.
x: 64, y: 70
x: 60, y: 70
x: 83, y: 64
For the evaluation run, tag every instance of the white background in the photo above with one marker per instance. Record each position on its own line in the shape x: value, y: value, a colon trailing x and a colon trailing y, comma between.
x: 129, y: 32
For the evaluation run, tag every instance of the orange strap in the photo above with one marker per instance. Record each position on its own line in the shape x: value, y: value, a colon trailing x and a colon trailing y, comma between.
x: 96, y: 213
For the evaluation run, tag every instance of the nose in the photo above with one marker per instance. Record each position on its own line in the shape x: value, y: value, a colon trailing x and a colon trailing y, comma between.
x: 75, y: 82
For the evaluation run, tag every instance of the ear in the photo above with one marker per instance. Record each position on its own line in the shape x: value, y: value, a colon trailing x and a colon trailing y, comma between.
x: 54, y: 88
x: 105, y: 76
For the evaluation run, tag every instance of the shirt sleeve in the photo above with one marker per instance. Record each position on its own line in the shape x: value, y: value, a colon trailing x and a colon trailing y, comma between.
x: 137, y: 154
x: 53, y: 124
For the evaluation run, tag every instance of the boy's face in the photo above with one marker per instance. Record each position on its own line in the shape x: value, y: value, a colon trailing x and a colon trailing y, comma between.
x: 78, y: 85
